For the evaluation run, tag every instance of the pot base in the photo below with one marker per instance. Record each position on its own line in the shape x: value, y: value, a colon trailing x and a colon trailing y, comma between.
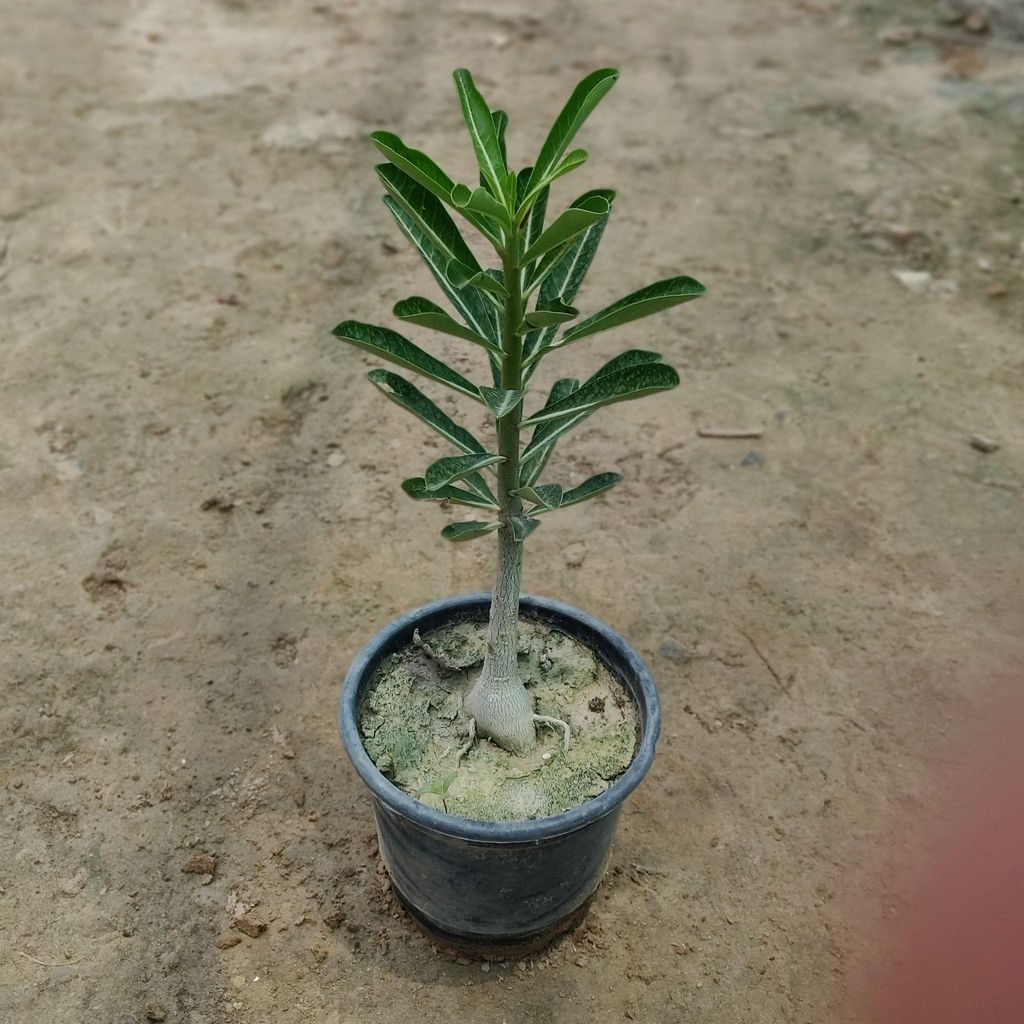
x: 498, y: 948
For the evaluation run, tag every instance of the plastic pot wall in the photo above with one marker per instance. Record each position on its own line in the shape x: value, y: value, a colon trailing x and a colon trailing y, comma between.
x: 498, y: 888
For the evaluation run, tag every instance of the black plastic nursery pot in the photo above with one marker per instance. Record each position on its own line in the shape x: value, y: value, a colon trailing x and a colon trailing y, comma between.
x: 498, y: 888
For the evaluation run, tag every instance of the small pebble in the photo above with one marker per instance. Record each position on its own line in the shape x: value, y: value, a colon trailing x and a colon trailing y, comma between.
x: 486, y: 968
x: 984, y: 444
x: 752, y: 459
x: 155, y: 1012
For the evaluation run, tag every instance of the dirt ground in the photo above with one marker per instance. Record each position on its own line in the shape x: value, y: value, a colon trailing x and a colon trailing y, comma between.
x: 202, y: 522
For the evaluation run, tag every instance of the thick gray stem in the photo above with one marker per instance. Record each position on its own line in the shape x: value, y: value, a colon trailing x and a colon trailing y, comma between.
x: 498, y: 701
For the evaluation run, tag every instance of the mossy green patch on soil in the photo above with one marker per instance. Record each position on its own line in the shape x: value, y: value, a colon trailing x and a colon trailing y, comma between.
x: 415, y: 730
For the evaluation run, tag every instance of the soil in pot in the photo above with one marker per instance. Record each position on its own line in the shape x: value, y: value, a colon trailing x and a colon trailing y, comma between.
x: 415, y: 731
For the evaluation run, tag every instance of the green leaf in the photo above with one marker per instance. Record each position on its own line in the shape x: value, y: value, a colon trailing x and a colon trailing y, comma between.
x: 618, y: 386
x: 424, y: 313
x: 566, y: 276
x: 409, y: 397
x: 476, y: 310
x: 523, y: 526
x: 450, y: 468
x: 392, y: 346
x: 414, y: 163
x: 540, y: 451
x: 417, y: 489
x: 590, y: 488
x: 585, y: 97
x: 577, y: 158
x: 482, y: 131
x: 567, y: 265
x: 547, y: 496
x: 462, y: 276
x: 467, y: 531
x: 535, y: 221
x: 580, y: 216
x: 652, y: 299
x: 550, y: 313
x: 631, y: 357
x: 428, y: 213
x: 500, y: 119
x: 501, y: 401
x: 439, y: 787
x: 480, y: 201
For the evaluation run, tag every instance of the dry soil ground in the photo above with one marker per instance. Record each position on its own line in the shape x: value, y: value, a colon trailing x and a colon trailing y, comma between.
x: 201, y: 518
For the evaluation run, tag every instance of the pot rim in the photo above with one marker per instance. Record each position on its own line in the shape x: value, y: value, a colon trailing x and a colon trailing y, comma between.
x: 454, y: 825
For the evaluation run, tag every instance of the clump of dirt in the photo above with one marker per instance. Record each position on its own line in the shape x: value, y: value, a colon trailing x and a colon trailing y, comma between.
x: 416, y: 732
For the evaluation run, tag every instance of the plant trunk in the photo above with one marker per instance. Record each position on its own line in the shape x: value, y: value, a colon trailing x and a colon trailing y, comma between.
x: 499, y: 703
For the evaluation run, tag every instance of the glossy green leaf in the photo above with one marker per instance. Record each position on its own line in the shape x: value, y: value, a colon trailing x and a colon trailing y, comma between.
x: 590, y: 488
x: 424, y: 313
x: 467, y: 531
x: 450, y: 468
x: 551, y: 313
x: 577, y: 158
x: 580, y: 216
x: 462, y: 276
x: 415, y: 163
x: 409, y: 397
x: 631, y: 357
x: 540, y: 450
x: 480, y: 201
x: 417, y: 489
x: 501, y: 401
x: 480, y: 123
x: 523, y: 526
x: 428, y: 212
x: 618, y: 386
x: 500, y: 119
x: 560, y: 273
x: 390, y: 345
x: 546, y: 496
x: 652, y: 299
x: 585, y: 97
x: 476, y: 310
x: 566, y: 276
x: 534, y: 225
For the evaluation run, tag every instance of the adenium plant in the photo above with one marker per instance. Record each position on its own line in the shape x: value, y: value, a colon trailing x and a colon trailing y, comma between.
x: 516, y: 312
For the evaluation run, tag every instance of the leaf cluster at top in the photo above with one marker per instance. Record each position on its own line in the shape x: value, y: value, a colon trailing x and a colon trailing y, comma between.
x: 549, y: 260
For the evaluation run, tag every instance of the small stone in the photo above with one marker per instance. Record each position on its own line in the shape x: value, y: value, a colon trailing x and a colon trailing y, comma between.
x: 249, y: 925
x: 984, y: 444
x: 486, y: 968
x: 581, y: 961
x: 997, y: 291
x: 674, y: 651
x: 155, y: 1012
x: 752, y: 459
x: 897, y: 35
x: 334, y: 460
x: 574, y: 554
x: 596, y: 704
x: 201, y: 864
x: 334, y: 918
x: 913, y: 280
x: 977, y: 20
x: 227, y: 940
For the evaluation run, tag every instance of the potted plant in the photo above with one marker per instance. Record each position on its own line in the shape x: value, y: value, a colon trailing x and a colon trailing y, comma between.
x: 496, y: 791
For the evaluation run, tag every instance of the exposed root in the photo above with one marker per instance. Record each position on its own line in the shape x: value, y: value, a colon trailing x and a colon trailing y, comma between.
x: 433, y: 655
x: 468, y: 745
x: 556, y: 722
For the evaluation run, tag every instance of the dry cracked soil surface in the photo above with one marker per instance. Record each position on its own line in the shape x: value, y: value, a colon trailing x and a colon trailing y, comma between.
x: 202, y: 522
